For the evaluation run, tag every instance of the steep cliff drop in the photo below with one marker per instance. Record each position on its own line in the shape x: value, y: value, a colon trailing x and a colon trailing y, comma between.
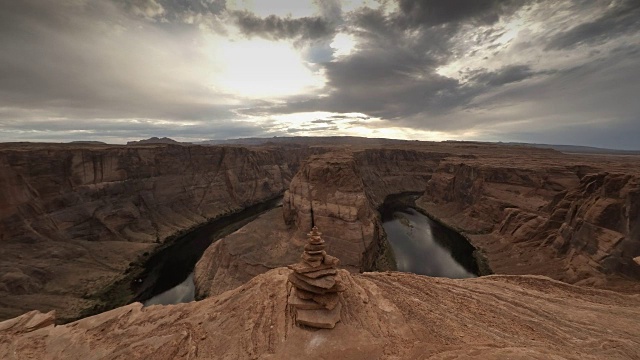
x: 526, y: 211
x: 551, y: 215
x: 74, y: 221
x: 75, y: 218
x: 327, y: 192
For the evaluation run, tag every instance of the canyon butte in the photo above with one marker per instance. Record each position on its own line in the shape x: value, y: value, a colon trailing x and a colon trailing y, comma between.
x: 78, y: 223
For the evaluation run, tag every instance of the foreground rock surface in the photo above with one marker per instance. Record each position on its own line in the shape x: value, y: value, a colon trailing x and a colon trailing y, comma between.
x: 384, y: 316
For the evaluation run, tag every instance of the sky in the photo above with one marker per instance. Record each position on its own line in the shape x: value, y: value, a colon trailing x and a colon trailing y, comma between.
x: 559, y: 72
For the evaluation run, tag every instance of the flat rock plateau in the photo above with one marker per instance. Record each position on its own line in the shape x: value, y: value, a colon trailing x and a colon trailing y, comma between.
x: 560, y: 231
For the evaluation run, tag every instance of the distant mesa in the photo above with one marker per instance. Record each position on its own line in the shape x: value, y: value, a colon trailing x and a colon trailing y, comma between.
x: 155, y: 140
x: 88, y: 142
x: 303, y: 140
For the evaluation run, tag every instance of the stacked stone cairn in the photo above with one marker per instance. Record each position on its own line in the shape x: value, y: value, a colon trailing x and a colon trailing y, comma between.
x: 314, y: 296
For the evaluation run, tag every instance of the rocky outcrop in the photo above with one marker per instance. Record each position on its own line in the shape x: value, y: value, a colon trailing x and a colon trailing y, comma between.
x: 597, y: 224
x: 384, y: 316
x: 507, y: 203
x: 390, y: 171
x: 544, y: 213
x: 74, y: 217
x: 328, y: 192
x: 315, y: 295
x: 264, y: 244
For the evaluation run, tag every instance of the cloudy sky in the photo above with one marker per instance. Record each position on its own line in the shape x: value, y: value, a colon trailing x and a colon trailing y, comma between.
x: 564, y: 72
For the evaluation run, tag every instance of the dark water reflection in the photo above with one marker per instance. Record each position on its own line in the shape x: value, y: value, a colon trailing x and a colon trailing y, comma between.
x: 181, y: 293
x: 168, y: 276
x: 424, y: 247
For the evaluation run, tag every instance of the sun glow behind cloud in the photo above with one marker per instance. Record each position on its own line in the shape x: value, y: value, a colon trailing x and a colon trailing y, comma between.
x: 343, y: 45
x: 261, y: 69
x: 321, y: 123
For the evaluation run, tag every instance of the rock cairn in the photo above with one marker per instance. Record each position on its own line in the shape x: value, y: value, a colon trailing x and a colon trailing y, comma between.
x: 315, y: 297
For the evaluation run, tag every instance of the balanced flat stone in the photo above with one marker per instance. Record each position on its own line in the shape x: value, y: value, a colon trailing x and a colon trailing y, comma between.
x: 316, y: 253
x: 329, y: 301
x: 312, y: 258
x: 323, y: 319
x: 338, y: 287
x: 304, y: 286
x: 319, y: 273
x: 325, y: 282
x: 302, y: 268
x: 312, y: 264
x: 311, y: 247
x: 303, y: 304
x: 304, y: 294
x: 331, y: 260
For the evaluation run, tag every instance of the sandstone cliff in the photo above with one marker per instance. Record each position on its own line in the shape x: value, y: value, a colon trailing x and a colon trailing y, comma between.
x: 264, y: 244
x: 73, y: 217
x: 513, y: 206
x: 328, y: 192
x: 545, y: 213
x: 384, y: 316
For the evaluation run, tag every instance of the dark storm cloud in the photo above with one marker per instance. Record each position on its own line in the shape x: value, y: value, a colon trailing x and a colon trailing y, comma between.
x: 80, y: 68
x: 506, y: 75
x: 276, y: 28
x: 312, y: 129
x: 172, y: 9
x: 196, y: 6
x: 87, y: 61
x: 436, y: 12
x: 393, y: 75
x: 620, y: 18
x: 330, y: 9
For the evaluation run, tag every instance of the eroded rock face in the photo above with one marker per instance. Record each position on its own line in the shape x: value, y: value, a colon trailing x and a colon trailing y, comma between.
x: 545, y: 213
x: 328, y: 192
x: 598, y: 224
x: 73, y: 217
x: 264, y: 244
x: 511, y: 202
x: 531, y: 211
x: 383, y: 316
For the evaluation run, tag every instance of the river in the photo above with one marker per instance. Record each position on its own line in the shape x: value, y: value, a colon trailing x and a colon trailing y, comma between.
x: 422, y: 246
x: 168, y: 278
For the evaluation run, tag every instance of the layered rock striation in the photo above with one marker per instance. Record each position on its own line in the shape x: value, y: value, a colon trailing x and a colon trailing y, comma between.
x: 328, y: 192
x: 546, y: 213
x: 526, y: 210
x: 74, y: 217
x: 315, y: 294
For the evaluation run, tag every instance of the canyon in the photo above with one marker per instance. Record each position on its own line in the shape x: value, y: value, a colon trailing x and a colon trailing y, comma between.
x: 79, y: 221
x: 75, y: 219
